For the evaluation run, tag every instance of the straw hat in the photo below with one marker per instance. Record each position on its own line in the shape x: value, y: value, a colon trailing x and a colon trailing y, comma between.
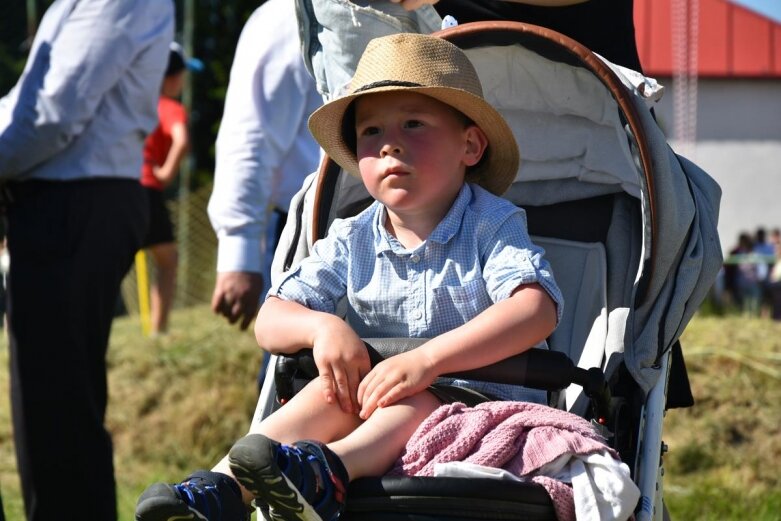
x: 434, y: 67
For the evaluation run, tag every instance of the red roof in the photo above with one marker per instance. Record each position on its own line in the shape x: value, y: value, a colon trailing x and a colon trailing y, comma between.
x: 732, y: 42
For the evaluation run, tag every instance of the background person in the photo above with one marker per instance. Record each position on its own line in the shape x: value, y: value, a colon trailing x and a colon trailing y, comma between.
x: 334, y: 33
x: 164, y: 150
x: 603, y: 26
x: 264, y: 151
x: 774, y: 282
x: 71, y: 138
x: 765, y: 253
x: 747, y: 275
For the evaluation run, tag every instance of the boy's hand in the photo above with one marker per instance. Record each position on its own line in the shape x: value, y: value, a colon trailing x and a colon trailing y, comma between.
x: 391, y: 380
x: 342, y: 360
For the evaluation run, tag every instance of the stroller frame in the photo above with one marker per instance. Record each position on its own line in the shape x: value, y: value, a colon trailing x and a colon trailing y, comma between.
x: 646, y: 363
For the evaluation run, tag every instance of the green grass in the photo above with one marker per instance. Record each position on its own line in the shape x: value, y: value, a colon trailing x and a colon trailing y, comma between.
x: 177, y: 403
x: 725, y: 452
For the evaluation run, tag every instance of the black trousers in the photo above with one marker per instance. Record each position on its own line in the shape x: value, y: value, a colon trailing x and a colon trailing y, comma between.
x: 71, y: 243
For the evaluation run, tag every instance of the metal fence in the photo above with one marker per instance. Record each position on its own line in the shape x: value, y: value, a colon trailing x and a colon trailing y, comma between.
x: 197, y: 247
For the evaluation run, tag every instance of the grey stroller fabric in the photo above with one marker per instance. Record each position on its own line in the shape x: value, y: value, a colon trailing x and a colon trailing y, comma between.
x: 685, y: 261
x: 685, y: 254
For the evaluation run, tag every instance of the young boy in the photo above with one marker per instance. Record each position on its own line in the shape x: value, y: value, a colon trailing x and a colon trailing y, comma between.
x: 164, y: 150
x: 435, y: 256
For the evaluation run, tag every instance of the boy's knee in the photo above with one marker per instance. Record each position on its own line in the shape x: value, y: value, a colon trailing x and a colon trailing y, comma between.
x: 313, y: 391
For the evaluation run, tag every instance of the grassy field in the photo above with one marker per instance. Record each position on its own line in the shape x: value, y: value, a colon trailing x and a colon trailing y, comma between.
x: 178, y: 402
x: 725, y: 452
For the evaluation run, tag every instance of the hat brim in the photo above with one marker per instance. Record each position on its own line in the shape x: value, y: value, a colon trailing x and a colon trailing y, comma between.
x: 495, y: 172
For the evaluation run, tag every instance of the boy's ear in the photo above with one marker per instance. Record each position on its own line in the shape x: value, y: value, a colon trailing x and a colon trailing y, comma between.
x: 476, y: 143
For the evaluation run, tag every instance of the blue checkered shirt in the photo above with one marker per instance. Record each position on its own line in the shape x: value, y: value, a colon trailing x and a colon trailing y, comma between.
x: 476, y: 256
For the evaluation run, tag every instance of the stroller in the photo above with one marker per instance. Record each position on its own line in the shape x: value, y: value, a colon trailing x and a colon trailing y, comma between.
x: 629, y: 228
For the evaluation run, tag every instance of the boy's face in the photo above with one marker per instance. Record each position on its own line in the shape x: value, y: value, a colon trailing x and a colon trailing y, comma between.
x: 413, y: 150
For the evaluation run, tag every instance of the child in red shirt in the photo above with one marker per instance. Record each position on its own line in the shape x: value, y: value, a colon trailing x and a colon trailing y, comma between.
x: 164, y: 150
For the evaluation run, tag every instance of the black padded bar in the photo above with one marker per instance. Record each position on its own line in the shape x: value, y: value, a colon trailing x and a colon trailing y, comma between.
x: 537, y: 368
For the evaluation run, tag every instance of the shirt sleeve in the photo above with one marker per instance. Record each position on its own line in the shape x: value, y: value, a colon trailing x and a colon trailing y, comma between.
x: 512, y: 259
x: 84, y: 61
x: 319, y: 282
x: 264, y: 110
x: 172, y: 114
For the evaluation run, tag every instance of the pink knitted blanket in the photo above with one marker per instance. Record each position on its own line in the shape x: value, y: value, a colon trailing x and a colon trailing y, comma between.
x: 519, y: 437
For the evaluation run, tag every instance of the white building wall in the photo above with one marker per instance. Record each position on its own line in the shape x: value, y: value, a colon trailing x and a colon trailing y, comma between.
x: 739, y: 145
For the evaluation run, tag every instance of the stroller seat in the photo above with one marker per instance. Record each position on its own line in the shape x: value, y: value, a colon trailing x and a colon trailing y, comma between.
x: 580, y: 269
x: 580, y: 263
x: 629, y: 229
x: 446, y: 498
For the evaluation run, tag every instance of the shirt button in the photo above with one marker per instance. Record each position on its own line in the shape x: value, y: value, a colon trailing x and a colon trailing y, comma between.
x: 414, y: 258
x: 416, y: 314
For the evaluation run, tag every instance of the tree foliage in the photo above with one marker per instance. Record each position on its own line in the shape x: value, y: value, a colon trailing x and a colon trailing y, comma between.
x: 216, y: 28
x: 13, y: 43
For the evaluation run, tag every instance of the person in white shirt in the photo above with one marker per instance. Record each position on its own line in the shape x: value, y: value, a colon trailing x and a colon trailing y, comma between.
x: 71, y: 135
x: 264, y: 151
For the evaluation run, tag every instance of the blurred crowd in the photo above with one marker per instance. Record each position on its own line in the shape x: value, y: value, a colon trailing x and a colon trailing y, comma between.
x: 750, y: 280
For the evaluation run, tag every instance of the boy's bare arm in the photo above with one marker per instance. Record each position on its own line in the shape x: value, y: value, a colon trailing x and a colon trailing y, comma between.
x: 286, y: 327
x: 506, y: 328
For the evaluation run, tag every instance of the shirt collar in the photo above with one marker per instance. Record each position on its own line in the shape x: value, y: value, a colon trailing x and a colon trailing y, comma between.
x: 445, y: 230
x: 450, y: 225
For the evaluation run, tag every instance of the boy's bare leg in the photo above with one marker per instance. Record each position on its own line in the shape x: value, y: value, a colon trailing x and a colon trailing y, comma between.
x: 164, y: 286
x: 306, y: 416
x: 366, y: 448
x: 373, y: 447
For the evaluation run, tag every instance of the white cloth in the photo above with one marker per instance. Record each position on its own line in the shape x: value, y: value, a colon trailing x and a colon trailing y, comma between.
x: 601, y: 485
x: 264, y: 149
x: 88, y: 94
